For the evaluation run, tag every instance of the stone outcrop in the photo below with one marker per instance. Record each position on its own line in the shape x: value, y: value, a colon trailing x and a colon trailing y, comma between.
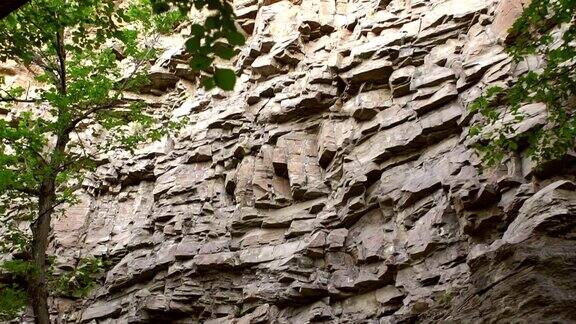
x: 336, y: 184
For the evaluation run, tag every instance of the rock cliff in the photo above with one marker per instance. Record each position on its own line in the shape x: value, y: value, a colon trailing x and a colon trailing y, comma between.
x: 336, y: 184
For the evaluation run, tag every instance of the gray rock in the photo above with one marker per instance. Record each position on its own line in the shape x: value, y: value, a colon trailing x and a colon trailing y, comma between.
x: 335, y: 184
x: 103, y: 309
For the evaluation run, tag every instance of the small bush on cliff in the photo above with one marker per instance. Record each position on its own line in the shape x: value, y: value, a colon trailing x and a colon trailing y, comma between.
x: 445, y: 298
x: 78, y: 282
x: 546, y: 29
x: 12, y: 301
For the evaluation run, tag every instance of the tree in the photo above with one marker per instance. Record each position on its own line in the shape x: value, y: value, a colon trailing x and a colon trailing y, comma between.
x: 74, y: 49
x: 218, y: 37
x: 546, y: 29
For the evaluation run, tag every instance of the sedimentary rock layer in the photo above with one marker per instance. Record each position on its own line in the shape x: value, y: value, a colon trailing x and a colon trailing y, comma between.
x: 336, y: 184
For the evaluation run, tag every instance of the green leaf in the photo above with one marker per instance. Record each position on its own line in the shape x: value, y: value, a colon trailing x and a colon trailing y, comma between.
x: 12, y: 301
x: 192, y: 44
x: 223, y: 50
x: 225, y: 79
x: 200, y: 62
x: 197, y: 30
x: 212, y: 22
x: 236, y: 38
x: 208, y: 83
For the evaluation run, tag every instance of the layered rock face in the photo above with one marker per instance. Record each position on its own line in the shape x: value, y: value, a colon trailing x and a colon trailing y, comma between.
x: 336, y: 184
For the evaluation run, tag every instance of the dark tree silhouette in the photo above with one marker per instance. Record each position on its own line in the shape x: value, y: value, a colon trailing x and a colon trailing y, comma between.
x: 7, y: 6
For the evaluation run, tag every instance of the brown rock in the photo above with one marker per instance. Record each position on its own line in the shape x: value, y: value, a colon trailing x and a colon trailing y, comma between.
x: 374, y: 71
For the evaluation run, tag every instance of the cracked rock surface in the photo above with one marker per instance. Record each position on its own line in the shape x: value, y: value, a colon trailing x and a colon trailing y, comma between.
x: 336, y: 184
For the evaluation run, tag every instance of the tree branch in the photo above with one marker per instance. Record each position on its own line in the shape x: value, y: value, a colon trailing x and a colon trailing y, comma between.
x: 61, y: 52
x: 46, y: 66
x: 49, y: 210
x: 18, y: 100
x: 116, y: 100
x: 11, y: 98
x: 24, y: 190
x: 89, y: 112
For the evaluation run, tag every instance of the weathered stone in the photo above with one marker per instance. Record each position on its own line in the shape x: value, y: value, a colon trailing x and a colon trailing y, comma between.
x: 510, y: 268
x: 431, y: 230
x: 367, y: 104
x: 101, y: 310
x: 160, y: 81
x: 266, y: 66
x: 550, y: 209
x: 222, y: 259
x: 388, y: 295
x: 344, y: 279
x: 431, y: 76
x: 283, y: 217
x: 336, y: 238
x: 400, y: 81
x: 475, y: 69
x: 377, y: 72
x: 506, y: 13
x: 386, y: 39
x: 444, y: 95
x: 303, y: 171
x: 317, y: 18
x: 299, y: 227
x: 332, y: 136
x: 454, y: 8
x: 287, y: 51
x: 337, y: 183
x: 405, y: 136
x: 188, y: 248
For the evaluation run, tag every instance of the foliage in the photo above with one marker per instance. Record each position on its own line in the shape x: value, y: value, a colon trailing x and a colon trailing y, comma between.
x: 81, y: 78
x: 445, y: 298
x: 12, y: 301
x: 218, y: 37
x: 78, y: 282
x: 13, y: 239
x: 75, y: 283
x: 546, y: 29
x: 18, y: 268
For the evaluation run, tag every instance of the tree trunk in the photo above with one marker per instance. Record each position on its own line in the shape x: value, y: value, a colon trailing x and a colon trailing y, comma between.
x: 40, y: 233
x: 46, y: 204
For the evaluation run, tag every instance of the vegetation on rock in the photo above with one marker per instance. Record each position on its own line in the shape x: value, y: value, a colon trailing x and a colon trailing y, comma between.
x: 545, y: 30
x: 217, y: 37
